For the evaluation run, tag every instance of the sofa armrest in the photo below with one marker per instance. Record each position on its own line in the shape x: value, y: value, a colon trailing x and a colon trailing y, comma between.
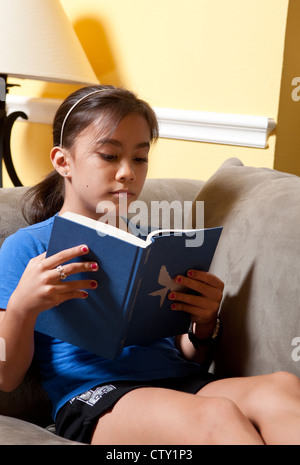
x: 258, y: 260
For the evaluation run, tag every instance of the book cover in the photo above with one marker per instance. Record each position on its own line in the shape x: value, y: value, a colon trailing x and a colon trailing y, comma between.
x: 130, y: 305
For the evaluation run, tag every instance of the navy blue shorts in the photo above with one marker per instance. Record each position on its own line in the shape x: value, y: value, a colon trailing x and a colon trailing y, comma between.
x: 77, y: 419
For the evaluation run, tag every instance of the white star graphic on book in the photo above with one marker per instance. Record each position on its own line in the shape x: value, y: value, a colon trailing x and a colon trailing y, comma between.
x: 164, y: 279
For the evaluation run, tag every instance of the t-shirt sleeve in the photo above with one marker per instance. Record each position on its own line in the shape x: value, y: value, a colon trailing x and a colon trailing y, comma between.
x: 15, y: 253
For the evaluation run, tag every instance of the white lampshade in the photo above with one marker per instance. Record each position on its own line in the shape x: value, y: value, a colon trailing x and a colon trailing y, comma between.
x: 37, y: 41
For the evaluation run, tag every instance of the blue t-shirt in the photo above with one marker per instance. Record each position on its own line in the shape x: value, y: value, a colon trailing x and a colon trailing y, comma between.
x: 67, y: 370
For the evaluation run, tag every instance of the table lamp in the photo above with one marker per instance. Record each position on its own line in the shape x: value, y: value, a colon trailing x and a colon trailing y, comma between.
x: 37, y: 41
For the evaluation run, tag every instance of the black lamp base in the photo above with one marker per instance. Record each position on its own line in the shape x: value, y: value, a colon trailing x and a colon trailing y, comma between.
x: 6, y: 124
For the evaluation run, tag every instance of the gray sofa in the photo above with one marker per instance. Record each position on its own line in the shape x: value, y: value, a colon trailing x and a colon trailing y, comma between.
x: 257, y: 258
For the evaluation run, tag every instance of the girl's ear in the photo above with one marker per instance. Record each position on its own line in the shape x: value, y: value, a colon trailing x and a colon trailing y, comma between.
x: 59, y: 159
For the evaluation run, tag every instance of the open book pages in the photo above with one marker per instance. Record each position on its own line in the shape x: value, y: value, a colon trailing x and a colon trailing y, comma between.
x: 122, y: 232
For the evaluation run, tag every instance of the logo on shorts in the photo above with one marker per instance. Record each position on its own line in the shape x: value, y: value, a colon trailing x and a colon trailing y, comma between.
x: 92, y: 396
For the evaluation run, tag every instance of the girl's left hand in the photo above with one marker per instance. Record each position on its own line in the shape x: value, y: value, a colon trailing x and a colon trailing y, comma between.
x: 203, y: 305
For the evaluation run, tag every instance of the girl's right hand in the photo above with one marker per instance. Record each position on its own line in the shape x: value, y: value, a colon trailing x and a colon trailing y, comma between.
x: 41, y: 287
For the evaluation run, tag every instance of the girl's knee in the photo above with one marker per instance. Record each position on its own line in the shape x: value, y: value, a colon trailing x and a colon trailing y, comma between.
x: 282, y: 381
x: 217, y: 412
x: 214, y: 407
x: 224, y: 422
x: 274, y: 391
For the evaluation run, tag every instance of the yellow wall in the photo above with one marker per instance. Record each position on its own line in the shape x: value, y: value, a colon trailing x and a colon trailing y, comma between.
x: 206, y: 55
x: 287, y: 152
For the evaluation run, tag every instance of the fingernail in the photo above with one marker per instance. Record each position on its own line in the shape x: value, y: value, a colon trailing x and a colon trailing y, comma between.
x: 94, y: 284
x: 190, y: 273
x: 84, y: 248
x: 172, y: 295
x: 178, y: 279
x: 84, y: 294
x: 173, y: 306
x: 94, y: 266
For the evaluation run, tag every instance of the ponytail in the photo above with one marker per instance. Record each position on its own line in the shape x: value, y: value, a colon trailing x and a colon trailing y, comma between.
x: 45, y: 199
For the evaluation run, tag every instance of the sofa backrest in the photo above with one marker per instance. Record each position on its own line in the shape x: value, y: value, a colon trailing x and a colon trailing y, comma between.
x: 11, y: 218
x: 258, y: 258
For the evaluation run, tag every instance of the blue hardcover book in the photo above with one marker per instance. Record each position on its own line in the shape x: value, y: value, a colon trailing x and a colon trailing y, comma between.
x: 130, y: 305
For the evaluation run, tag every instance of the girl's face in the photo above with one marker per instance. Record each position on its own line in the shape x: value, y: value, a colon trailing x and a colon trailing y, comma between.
x: 102, y: 169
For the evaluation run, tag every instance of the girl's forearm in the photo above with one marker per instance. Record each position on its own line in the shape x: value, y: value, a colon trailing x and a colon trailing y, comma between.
x: 18, y: 336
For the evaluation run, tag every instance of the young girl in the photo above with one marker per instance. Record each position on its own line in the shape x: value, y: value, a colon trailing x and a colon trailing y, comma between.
x: 155, y: 394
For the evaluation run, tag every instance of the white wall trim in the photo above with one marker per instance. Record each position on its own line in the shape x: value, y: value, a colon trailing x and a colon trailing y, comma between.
x: 216, y: 128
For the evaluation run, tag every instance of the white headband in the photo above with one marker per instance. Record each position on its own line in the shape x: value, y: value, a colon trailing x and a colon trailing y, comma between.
x: 71, y: 109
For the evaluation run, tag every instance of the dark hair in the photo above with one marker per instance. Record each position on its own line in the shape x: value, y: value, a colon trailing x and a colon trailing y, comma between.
x: 77, y: 112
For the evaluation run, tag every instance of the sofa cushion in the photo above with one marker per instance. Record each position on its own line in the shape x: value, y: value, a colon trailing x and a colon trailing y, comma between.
x: 11, y: 218
x: 258, y: 258
x: 14, y: 432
